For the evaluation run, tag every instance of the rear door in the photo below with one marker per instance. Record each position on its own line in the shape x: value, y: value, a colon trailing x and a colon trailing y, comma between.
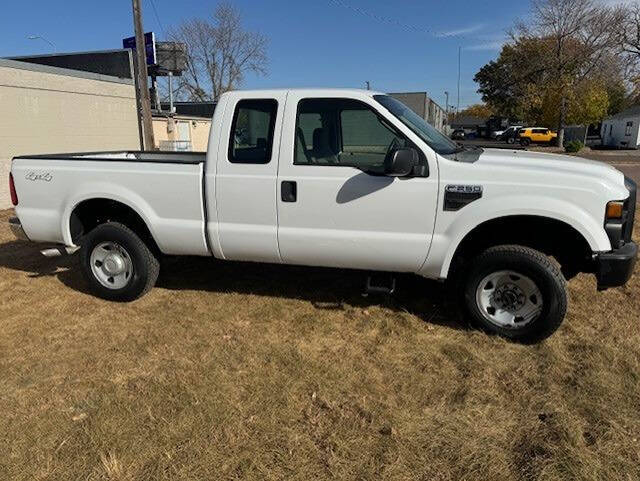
x: 245, y: 180
x: 333, y: 213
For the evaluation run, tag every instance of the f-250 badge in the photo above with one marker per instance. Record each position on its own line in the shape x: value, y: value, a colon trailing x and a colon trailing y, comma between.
x: 464, y: 189
x: 33, y: 176
x: 457, y: 196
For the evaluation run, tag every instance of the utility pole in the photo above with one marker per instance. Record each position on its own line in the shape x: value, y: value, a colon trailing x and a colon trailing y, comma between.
x: 143, y: 77
x: 446, y: 109
x: 459, y: 60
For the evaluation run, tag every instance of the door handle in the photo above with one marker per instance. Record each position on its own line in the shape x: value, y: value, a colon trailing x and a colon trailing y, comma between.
x: 289, y: 191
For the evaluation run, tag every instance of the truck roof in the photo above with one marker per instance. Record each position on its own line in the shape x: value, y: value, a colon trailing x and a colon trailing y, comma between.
x: 310, y: 91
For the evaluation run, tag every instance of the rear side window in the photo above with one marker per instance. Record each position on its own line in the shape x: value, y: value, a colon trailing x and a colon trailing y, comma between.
x: 252, y: 129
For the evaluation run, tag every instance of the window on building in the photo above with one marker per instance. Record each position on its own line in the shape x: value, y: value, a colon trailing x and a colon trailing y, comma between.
x: 251, y: 139
x: 343, y: 132
x: 627, y: 130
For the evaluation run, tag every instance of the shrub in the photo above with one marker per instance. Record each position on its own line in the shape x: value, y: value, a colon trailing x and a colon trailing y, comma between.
x: 573, y: 146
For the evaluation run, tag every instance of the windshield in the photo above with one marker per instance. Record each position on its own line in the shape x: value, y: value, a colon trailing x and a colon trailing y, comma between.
x: 434, y: 139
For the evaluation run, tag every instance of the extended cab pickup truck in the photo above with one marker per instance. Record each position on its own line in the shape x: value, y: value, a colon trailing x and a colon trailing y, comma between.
x: 340, y: 178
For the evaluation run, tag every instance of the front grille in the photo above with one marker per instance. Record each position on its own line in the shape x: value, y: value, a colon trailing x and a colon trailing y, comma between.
x: 630, y: 208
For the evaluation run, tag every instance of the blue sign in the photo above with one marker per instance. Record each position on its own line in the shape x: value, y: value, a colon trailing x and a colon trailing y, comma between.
x: 149, y: 45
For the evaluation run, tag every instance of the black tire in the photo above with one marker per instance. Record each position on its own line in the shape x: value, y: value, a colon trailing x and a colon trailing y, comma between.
x: 145, y: 264
x: 525, y: 142
x: 511, y: 141
x: 530, y: 263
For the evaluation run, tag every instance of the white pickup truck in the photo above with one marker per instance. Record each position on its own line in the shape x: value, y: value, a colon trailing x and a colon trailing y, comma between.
x: 340, y: 178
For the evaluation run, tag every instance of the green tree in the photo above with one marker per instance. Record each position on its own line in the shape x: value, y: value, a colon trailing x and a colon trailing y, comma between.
x: 589, y: 107
x: 618, y: 97
x: 503, y: 83
x: 478, y: 110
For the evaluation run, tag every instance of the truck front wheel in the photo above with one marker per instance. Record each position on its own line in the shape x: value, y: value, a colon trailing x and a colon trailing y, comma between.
x: 515, y: 292
x: 117, y: 264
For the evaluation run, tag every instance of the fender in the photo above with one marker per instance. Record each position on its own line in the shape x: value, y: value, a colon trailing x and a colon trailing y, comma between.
x: 110, y: 191
x: 451, y: 229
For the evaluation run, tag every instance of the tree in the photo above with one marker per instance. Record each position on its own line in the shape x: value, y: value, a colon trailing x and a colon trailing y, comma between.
x: 560, y: 68
x: 628, y: 35
x: 582, y: 33
x: 477, y: 110
x: 219, y: 54
x: 506, y: 83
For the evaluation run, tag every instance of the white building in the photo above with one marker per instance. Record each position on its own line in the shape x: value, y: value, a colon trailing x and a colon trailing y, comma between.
x: 424, y: 106
x: 49, y: 109
x: 622, y: 130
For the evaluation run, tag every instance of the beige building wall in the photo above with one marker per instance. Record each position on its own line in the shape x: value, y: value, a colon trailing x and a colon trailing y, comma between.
x: 52, y: 110
x: 179, y: 129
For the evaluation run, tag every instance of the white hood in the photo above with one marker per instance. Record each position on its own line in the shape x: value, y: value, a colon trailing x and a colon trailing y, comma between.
x: 552, y: 164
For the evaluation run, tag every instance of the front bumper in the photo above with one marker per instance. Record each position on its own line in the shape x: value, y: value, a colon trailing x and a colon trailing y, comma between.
x: 614, y: 268
x: 16, y: 228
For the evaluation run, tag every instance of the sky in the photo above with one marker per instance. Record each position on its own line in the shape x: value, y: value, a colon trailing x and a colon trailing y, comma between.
x: 398, y: 46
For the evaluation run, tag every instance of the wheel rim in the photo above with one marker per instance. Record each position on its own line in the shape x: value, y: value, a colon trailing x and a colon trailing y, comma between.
x: 509, y: 299
x: 111, y: 265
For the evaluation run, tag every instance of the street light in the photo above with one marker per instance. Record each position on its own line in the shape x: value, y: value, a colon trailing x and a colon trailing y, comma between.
x: 446, y: 109
x: 40, y: 37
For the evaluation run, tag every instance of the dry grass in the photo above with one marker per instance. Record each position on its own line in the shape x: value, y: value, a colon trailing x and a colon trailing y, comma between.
x: 230, y: 371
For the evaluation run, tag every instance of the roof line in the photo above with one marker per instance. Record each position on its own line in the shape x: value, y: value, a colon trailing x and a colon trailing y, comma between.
x: 62, y: 54
x: 34, y: 67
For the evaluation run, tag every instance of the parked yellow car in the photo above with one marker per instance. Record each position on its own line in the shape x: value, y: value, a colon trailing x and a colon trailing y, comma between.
x: 539, y: 135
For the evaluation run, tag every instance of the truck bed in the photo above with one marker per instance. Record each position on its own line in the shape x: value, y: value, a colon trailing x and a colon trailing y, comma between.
x: 164, y: 188
x: 127, y: 156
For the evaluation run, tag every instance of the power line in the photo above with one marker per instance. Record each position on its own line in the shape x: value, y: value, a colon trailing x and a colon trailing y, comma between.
x: 155, y: 12
x: 398, y: 23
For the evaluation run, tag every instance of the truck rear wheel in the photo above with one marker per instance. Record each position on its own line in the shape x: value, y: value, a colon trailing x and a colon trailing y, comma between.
x: 117, y: 264
x: 515, y: 292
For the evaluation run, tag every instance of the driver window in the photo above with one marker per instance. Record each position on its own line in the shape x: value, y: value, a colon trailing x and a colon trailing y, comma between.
x: 343, y: 132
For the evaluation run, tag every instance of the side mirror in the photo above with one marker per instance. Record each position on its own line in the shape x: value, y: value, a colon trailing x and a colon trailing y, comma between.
x: 400, y: 162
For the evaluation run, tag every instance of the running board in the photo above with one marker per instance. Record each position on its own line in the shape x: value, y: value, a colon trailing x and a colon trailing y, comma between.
x: 380, y: 284
x: 59, y: 251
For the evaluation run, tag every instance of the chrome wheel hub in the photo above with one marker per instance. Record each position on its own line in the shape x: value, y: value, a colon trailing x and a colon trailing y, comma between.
x: 114, y: 264
x: 509, y: 299
x: 111, y: 265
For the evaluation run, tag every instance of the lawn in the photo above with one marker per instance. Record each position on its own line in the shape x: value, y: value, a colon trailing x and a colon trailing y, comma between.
x: 257, y: 372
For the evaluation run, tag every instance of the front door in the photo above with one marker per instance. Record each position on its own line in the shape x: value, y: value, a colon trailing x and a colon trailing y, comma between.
x: 334, y: 207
